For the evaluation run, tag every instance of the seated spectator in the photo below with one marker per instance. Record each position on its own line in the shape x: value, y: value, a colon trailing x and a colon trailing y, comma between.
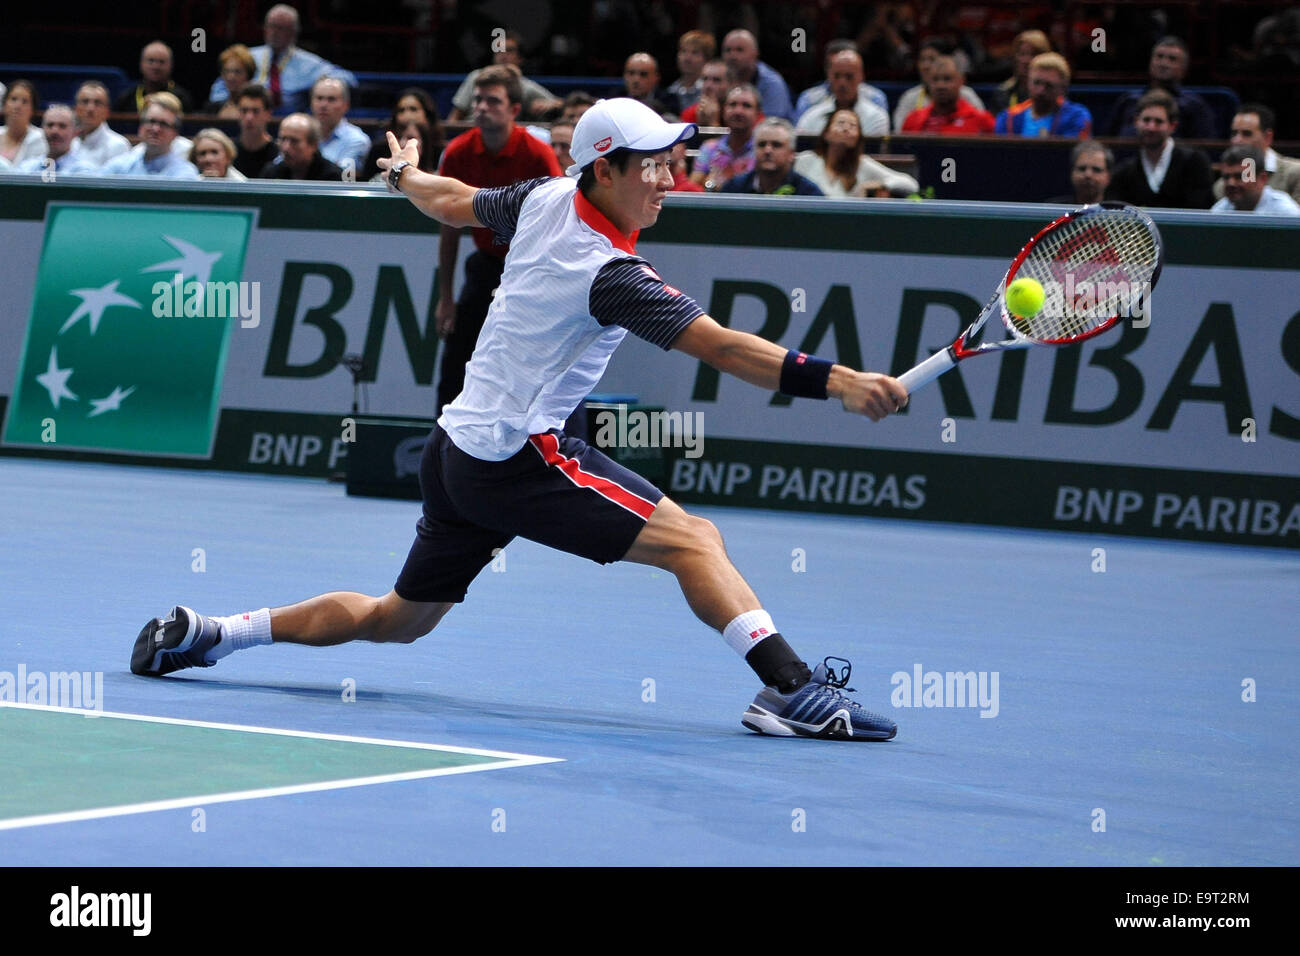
x: 1253, y: 126
x: 947, y: 112
x: 286, y: 70
x: 822, y: 91
x: 740, y: 53
x: 180, y: 145
x: 694, y: 49
x: 341, y: 143
x: 840, y: 167
x: 707, y: 108
x: 423, y: 135
x: 538, y: 100
x: 919, y: 95
x: 773, y: 173
x: 681, y: 172
x: 300, y: 156
x: 1015, y: 90
x: 1166, y: 70
x: 19, y: 139
x: 59, y: 125
x: 1246, y: 188
x: 237, y: 70
x: 1163, y: 173
x: 99, y: 143
x: 255, y: 148
x: 1090, y: 168
x: 160, y: 124
x: 844, y: 74
x: 641, y: 83
x: 732, y: 155
x: 1047, y: 112
x: 562, y: 143
x: 413, y: 106
x: 214, y: 155
x: 155, y: 77
x: 575, y: 104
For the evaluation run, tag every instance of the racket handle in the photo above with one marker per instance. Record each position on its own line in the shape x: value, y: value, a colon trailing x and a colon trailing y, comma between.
x: 927, y: 371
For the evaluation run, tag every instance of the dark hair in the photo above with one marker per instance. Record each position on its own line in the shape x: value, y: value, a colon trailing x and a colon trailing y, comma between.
x: 430, y: 144
x: 254, y: 91
x: 503, y: 74
x: 619, y: 159
x: 847, y: 171
x: 1172, y: 40
x: 1267, y: 118
x: 438, y: 137
x: 1235, y: 156
x: 840, y: 46
x: 579, y: 98
x: 30, y: 87
x: 1157, y: 98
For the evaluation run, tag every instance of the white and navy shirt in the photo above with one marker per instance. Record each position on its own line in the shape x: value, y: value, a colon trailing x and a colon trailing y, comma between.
x: 573, y: 287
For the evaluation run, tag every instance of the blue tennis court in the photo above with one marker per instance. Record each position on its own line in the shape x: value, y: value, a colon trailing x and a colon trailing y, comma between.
x: 571, y: 714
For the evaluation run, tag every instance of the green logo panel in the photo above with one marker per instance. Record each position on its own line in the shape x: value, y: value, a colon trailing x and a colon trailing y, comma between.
x: 110, y: 362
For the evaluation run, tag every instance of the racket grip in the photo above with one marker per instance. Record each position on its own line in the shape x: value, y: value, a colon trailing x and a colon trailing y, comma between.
x: 927, y: 371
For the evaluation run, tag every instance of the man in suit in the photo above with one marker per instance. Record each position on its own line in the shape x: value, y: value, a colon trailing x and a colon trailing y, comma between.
x: 1162, y: 173
x: 1253, y: 126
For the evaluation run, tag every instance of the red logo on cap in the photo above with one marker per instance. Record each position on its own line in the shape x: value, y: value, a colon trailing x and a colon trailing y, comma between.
x: 604, y: 144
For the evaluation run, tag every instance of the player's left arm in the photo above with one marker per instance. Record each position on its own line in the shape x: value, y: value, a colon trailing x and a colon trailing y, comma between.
x: 760, y: 362
x: 445, y: 199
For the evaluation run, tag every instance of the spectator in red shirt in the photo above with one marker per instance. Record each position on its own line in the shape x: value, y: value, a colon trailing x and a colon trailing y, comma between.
x: 947, y: 112
x: 497, y: 152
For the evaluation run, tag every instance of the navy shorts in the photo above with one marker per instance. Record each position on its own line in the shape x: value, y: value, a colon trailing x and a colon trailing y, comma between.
x: 557, y: 491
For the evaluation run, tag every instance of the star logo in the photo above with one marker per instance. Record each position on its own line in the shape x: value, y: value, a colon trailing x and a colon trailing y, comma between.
x: 193, y: 261
x: 55, y: 380
x: 110, y: 404
x: 94, y: 302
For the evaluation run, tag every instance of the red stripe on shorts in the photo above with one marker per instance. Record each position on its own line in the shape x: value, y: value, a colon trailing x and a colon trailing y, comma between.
x: 549, y: 447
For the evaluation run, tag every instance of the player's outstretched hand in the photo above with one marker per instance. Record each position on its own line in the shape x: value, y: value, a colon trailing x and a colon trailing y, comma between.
x: 410, y: 152
x: 867, y: 393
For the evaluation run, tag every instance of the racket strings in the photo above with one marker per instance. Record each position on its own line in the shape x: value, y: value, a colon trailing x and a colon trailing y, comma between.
x: 1092, y: 268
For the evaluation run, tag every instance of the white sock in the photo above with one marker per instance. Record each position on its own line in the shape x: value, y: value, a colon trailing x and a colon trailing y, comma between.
x: 744, y: 633
x: 241, y: 631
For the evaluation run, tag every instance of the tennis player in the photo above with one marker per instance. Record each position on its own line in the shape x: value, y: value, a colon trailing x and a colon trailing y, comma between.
x: 498, y: 464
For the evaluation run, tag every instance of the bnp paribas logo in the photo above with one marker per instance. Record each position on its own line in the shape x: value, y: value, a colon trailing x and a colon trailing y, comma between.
x: 124, y: 351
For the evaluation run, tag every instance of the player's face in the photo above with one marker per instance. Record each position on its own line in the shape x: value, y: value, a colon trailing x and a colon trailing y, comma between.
x: 92, y: 108
x: 211, y: 158
x: 639, y: 191
x: 410, y: 110
x: 1089, y: 177
x: 1153, y: 127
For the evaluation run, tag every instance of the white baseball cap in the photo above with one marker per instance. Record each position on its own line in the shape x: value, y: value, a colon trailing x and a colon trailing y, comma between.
x: 626, y: 123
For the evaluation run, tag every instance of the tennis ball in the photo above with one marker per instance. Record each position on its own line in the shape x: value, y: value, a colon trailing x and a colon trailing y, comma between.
x: 1025, y: 297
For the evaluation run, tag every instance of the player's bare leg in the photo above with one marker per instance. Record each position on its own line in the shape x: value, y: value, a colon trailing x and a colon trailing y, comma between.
x: 343, y: 616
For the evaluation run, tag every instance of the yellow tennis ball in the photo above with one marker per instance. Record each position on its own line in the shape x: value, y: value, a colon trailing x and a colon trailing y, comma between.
x: 1025, y: 297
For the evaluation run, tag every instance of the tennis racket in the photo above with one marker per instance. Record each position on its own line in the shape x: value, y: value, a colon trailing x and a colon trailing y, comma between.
x: 1095, y: 264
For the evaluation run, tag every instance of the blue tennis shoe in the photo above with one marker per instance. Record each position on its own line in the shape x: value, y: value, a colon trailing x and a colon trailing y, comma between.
x: 819, y: 708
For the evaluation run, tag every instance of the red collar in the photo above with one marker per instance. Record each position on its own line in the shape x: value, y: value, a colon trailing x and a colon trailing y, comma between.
x: 598, y: 221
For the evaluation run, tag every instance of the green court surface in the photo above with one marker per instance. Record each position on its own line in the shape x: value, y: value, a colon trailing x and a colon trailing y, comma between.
x: 63, y: 765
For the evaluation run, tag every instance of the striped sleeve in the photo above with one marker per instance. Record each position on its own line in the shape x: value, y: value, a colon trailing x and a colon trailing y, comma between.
x: 628, y: 292
x: 498, y: 207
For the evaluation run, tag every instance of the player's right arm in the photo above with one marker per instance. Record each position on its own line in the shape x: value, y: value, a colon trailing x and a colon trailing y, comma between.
x: 447, y: 200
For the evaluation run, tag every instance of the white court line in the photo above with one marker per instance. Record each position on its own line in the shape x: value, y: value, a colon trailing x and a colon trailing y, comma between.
x: 504, y: 761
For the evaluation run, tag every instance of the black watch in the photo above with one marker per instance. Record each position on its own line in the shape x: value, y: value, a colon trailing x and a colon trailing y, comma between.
x: 395, y: 174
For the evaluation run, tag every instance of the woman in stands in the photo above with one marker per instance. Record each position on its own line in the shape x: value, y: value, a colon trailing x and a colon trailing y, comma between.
x: 19, y: 139
x: 214, y: 154
x: 840, y: 167
x: 421, y: 133
x: 413, y: 106
x: 237, y: 69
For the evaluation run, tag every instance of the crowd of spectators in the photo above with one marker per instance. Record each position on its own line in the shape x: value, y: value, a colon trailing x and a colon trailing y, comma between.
x: 753, y: 118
